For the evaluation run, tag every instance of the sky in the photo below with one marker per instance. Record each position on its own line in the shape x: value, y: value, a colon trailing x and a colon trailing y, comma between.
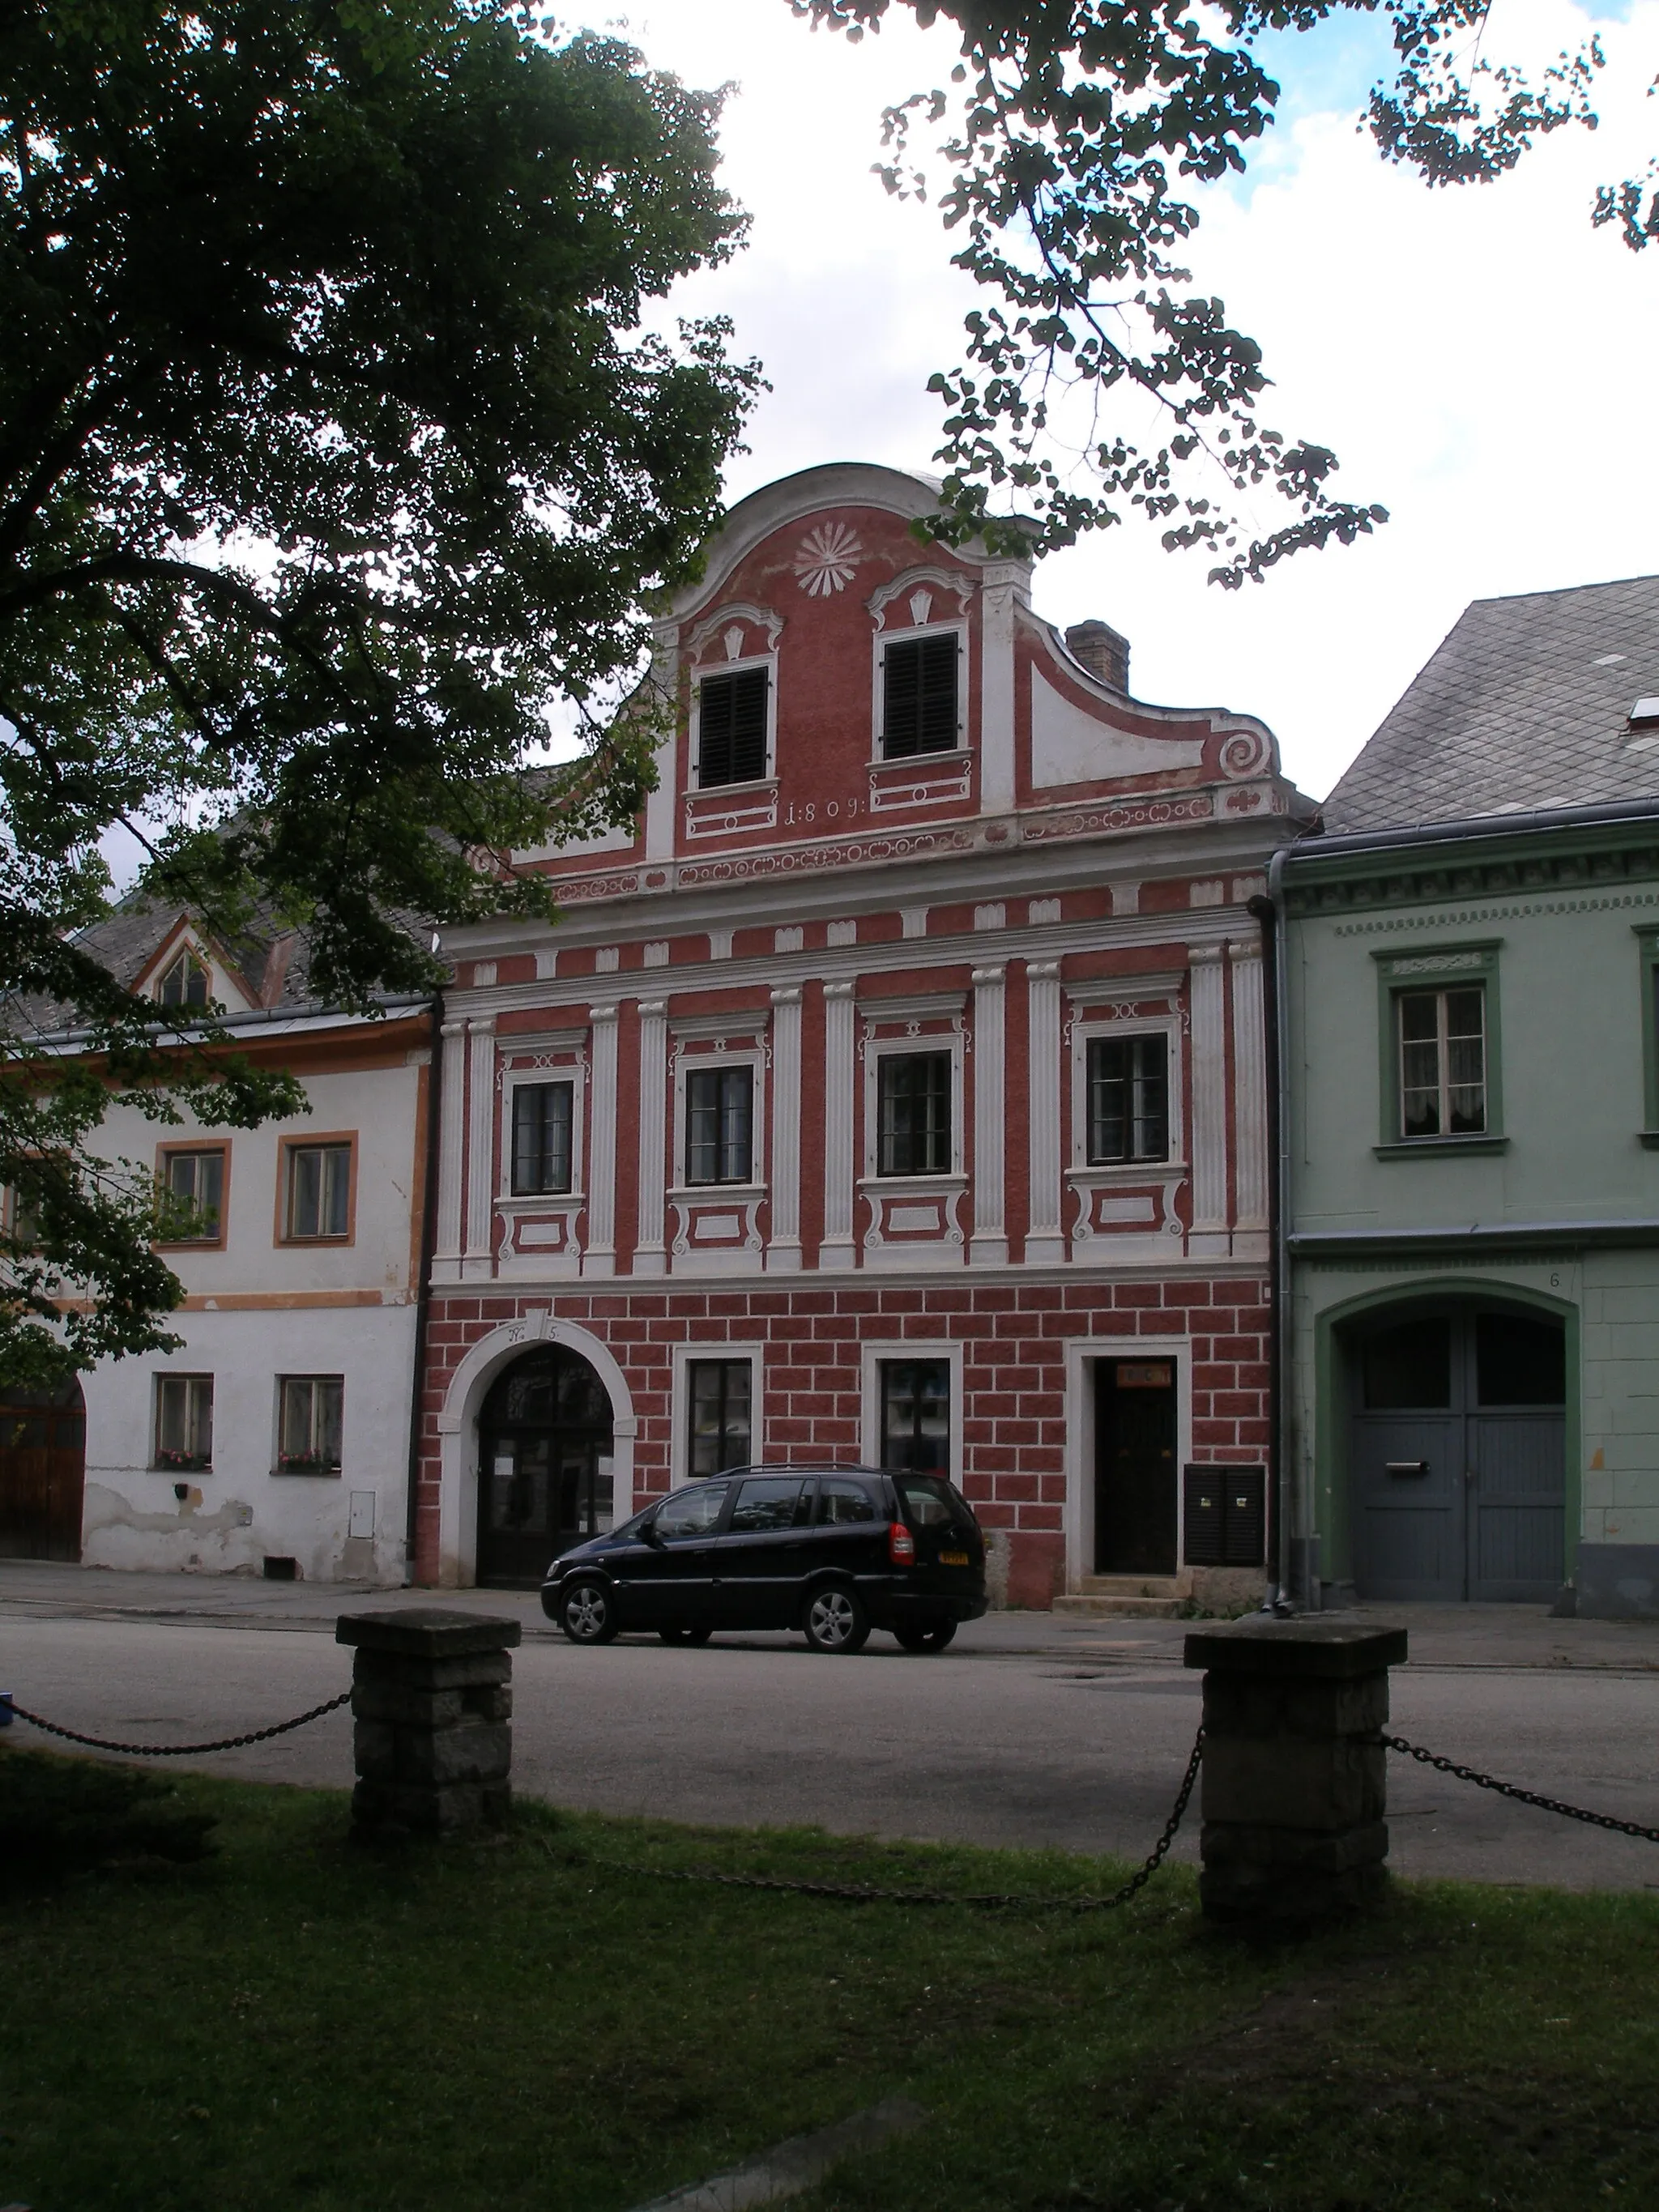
x: 1482, y: 360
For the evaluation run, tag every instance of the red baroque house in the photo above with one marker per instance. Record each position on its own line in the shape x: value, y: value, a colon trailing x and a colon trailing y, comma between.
x: 897, y: 1093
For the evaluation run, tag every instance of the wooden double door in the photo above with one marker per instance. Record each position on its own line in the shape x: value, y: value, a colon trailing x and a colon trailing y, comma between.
x: 1458, y: 1454
x: 1136, y: 1508
x: 544, y: 1479
x: 43, y: 1472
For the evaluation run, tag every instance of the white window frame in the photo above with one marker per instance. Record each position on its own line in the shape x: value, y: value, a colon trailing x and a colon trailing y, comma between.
x: 873, y: 1357
x: 575, y: 1074
x: 680, y: 1400
x: 695, y: 788
x: 684, y: 1063
x: 879, y: 643
x: 1084, y: 1031
x: 913, y: 1014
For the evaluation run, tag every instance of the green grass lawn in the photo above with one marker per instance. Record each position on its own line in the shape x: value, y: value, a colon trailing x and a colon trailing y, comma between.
x: 296, y: 2022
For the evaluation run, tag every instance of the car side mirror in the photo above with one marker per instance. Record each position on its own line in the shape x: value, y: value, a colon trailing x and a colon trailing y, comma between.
x: 647, y: 1535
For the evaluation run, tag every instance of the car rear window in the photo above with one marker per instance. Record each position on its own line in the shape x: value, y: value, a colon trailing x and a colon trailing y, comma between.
x: 930, y: 1501
x: 840, y: 1502
x: 767, y: 1501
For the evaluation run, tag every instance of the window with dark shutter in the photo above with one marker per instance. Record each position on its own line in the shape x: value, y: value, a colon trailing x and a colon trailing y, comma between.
x: 918, y: 696
x: 732, y: 728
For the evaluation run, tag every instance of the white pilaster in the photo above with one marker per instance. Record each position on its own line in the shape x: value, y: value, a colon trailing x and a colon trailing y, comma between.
x: 1006, y: 583
x: 451, y: 1154
x: 600, y: 1256
x: 783, y: 1247
x: 838, y: 1014
x: 478, y: 1262
x: 1045, y: 1238
x: 1250, y: 1167
x: 650, y: 1253
x: 988, y: 1246
x: 1209, y: 1061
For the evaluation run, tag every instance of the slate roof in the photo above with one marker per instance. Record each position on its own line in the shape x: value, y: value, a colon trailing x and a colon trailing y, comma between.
x: 1525, y: 706
x: 275, y: 962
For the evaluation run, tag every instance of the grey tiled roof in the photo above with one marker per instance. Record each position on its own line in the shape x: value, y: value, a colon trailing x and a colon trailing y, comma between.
x: 1524, y: 706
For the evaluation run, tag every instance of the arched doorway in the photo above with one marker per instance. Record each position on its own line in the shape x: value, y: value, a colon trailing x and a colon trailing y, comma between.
x: 43, y: 1473
x: 544, y: 1472
x: 1457, y: 1452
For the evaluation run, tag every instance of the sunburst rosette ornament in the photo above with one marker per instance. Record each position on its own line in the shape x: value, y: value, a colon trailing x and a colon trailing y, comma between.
x: 826, y: 559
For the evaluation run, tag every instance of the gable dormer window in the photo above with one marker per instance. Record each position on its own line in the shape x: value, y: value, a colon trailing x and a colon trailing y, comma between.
x: 185, y: 983
x: 919, y: 705
x: 731, y: 726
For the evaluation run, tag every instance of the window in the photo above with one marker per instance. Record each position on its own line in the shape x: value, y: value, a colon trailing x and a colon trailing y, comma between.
x: 768, y: 1502
x: 841, y: 1503
x: 719, y: 1124
x: 543, y: 1118
x: 915, y: 1415
x: 195, y: 1181
x: 912, y: 1107
x: 1443, y: 1062
x: 184, y: 1421
x: 308, y: 1423
x: 720, y: 1398
x: 319, y: 1191
x: 732, y: 728
x: 690, y: 1512
x: 185, y: 983
x: 918, y: 696
x: 1129, y: 1098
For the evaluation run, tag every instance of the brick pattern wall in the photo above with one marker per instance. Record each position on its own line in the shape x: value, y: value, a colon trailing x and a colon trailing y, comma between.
x: 1010, y: 1459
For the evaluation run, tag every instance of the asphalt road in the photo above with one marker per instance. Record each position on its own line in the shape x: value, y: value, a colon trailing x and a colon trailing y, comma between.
x: 1029, y: 1731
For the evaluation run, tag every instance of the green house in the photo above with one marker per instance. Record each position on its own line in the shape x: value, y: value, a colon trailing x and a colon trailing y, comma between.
x: 1469, y: 1131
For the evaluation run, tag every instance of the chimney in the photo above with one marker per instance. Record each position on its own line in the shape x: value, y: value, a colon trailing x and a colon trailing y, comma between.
x: 1101, y: 650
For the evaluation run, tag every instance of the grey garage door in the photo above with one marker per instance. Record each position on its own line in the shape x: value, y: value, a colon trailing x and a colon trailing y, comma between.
x: 1457, y: 1456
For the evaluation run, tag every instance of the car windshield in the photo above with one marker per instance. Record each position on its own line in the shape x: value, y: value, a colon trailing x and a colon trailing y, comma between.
x: 931, y: 1502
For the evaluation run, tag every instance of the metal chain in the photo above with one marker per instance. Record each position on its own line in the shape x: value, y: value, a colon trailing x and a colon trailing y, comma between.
x: 180, y: 1750
x: 857, y: 1893
x: 1521, y: 1797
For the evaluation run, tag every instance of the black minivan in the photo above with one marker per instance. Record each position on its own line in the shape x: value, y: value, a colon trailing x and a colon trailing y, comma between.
x: 833, y: 1551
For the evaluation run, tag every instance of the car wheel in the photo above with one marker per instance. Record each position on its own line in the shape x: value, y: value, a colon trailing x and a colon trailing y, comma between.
x: 927, y: 1639
x: 836, y: 1620
x: 587, y: 1612
x: 684, y: 1635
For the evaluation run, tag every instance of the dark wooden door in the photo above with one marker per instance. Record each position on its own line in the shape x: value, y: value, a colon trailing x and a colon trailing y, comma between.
x: 43, y: 1471
x: 1457, y: 1456
x: 1135, y: 1510
x: 543, y: 1433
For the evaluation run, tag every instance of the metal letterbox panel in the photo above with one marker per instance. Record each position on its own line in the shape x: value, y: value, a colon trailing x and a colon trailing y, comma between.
x: 1202, y: 1522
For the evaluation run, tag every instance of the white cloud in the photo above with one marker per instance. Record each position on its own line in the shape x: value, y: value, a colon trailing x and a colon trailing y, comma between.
x: 1480, y: 360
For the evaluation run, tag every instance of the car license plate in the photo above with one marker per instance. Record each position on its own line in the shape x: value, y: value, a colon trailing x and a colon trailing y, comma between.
x: 953, y: 1559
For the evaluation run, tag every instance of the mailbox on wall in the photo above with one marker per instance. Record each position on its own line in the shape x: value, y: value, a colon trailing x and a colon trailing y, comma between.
x: 1224, y: 1523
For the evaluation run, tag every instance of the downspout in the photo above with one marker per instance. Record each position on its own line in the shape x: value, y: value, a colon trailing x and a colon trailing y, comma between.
x: 1270, y: 913
x: 423, y: 1288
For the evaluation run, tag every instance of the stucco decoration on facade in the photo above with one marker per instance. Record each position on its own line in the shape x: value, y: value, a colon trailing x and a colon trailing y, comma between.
x: 897, y: 914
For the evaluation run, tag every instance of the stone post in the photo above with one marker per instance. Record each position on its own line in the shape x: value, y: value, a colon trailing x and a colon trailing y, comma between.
x: 431, y: 1694
x: 1295, y: 1785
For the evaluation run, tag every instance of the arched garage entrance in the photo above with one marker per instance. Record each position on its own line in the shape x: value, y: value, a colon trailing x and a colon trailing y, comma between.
x: 1457, y: 1452
x: 43, y: 1473
x: 544, y: 1472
